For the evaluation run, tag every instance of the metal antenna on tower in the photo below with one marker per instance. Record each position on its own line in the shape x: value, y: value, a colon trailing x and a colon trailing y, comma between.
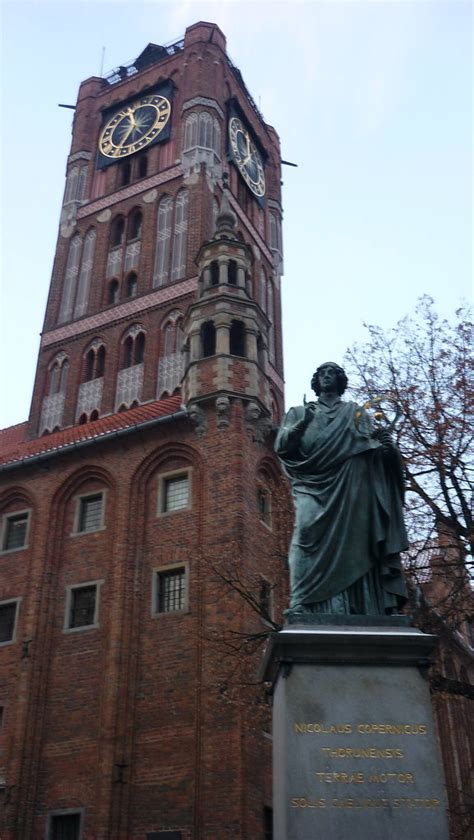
x: 102, y: 62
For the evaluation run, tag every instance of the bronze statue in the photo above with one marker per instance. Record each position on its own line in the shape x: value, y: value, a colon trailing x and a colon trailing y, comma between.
x: 347, y: 481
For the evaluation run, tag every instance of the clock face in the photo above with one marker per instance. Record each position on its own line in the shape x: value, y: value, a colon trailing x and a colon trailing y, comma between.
x: 134, y: 127
x: 246, y: 157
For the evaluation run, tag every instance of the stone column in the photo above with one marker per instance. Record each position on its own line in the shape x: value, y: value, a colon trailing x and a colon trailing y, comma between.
x: 223, y: 272
x: 222, y: 338
x: 251, y: 344
x: 195, y: 346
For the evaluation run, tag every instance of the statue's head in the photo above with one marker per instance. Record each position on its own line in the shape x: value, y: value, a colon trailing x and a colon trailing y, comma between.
x: 341, y: 378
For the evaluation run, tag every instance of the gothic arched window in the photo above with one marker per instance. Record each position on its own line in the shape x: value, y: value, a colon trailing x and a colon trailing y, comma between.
x: 132, y: 285
x: 75, y: 184
x: 58, y: 375
x: 94, y: 362
x: 113, y: 292
x: 163, y: 241
x: 70, y: 279
x: 180, y: 235
x: 206, y: 134
x: 87, y: 262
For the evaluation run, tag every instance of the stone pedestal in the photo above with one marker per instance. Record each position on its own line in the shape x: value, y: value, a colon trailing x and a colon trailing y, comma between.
x: 355, y: 753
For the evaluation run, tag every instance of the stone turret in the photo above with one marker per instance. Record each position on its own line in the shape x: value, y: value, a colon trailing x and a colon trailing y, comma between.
x: 226, y: 330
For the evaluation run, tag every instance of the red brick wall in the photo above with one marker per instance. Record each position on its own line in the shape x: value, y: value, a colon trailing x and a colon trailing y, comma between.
x: 154, y: 693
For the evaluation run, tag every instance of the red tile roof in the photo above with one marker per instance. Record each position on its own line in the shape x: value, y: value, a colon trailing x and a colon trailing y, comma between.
x: 15, y: 448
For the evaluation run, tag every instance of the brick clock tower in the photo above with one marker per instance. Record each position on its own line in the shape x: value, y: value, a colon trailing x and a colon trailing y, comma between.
x: 143, y: 492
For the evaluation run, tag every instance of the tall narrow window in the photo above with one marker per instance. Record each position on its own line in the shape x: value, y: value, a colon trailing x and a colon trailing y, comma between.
x: 180, y: 236
x: 205, y: 130
x: 125, y: 173
x: 168, y: 340
x: 100, y: 361
x: 142, y: 166
x: 163, y: 241
x: 90, y: 360
x: 262, y: 290
x: 237, y: 338
x: 139, y: 348
x: 94, y: 362
x: 114, y: 259
x: 70, y: 279
x: 208, y: 339
x: 58, y: 375
x: 132, y: 285
x: 71, y: 185
x: 214, y: 273
x: 8, y: 617
x: 113, y: 292
x: 87, y: 262
x: 271, y: 315
x: 127, y: 352
x: 232, y: 272
x: 134, y: 233
x: 190, y: 132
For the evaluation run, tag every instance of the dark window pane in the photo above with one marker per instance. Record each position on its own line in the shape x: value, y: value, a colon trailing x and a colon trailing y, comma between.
x: 90, y: 518
x: 65, y: 827
x: 163, y: 835
x: 265, y: 599
x: 171, y: 590
x: 7, y: 621
x: 15, y: 531
x: 176, y: 493
x: 268, y: 823
x: 264, y: 506
x: 82, y: 606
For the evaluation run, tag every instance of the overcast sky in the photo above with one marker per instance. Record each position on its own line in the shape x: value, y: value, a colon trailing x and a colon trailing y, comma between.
x: 372, y: 100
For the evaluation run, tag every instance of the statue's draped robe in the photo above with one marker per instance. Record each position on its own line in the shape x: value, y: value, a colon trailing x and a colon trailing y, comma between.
x: 348, y: 495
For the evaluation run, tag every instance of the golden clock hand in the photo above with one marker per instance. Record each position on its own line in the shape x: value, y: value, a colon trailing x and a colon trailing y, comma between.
x: 127, y: 135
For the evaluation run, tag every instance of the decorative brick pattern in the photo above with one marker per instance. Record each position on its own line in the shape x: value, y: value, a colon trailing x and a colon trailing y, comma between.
x: 129, y: 386
x: 129, y: 192
x: 170, y: 372
x: 51, y: 412
x: 125, y: 310
x: 89, y: 396
x: 244, y: 219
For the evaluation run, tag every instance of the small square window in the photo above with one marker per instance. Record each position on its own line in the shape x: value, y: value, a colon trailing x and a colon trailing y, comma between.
x: 82, y: 606
x: 171, y: 590
x: 175, y: 493
x: 90, y: 512
x: 15, y: 531
x: 64, y: 827
x: 8, y: 615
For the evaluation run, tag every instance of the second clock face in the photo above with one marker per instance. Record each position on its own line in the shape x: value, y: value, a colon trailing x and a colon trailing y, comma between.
x: 246, y: 157
x: 134, y: 127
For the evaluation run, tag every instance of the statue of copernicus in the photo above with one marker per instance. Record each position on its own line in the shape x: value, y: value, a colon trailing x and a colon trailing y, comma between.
x: 347, y: 481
